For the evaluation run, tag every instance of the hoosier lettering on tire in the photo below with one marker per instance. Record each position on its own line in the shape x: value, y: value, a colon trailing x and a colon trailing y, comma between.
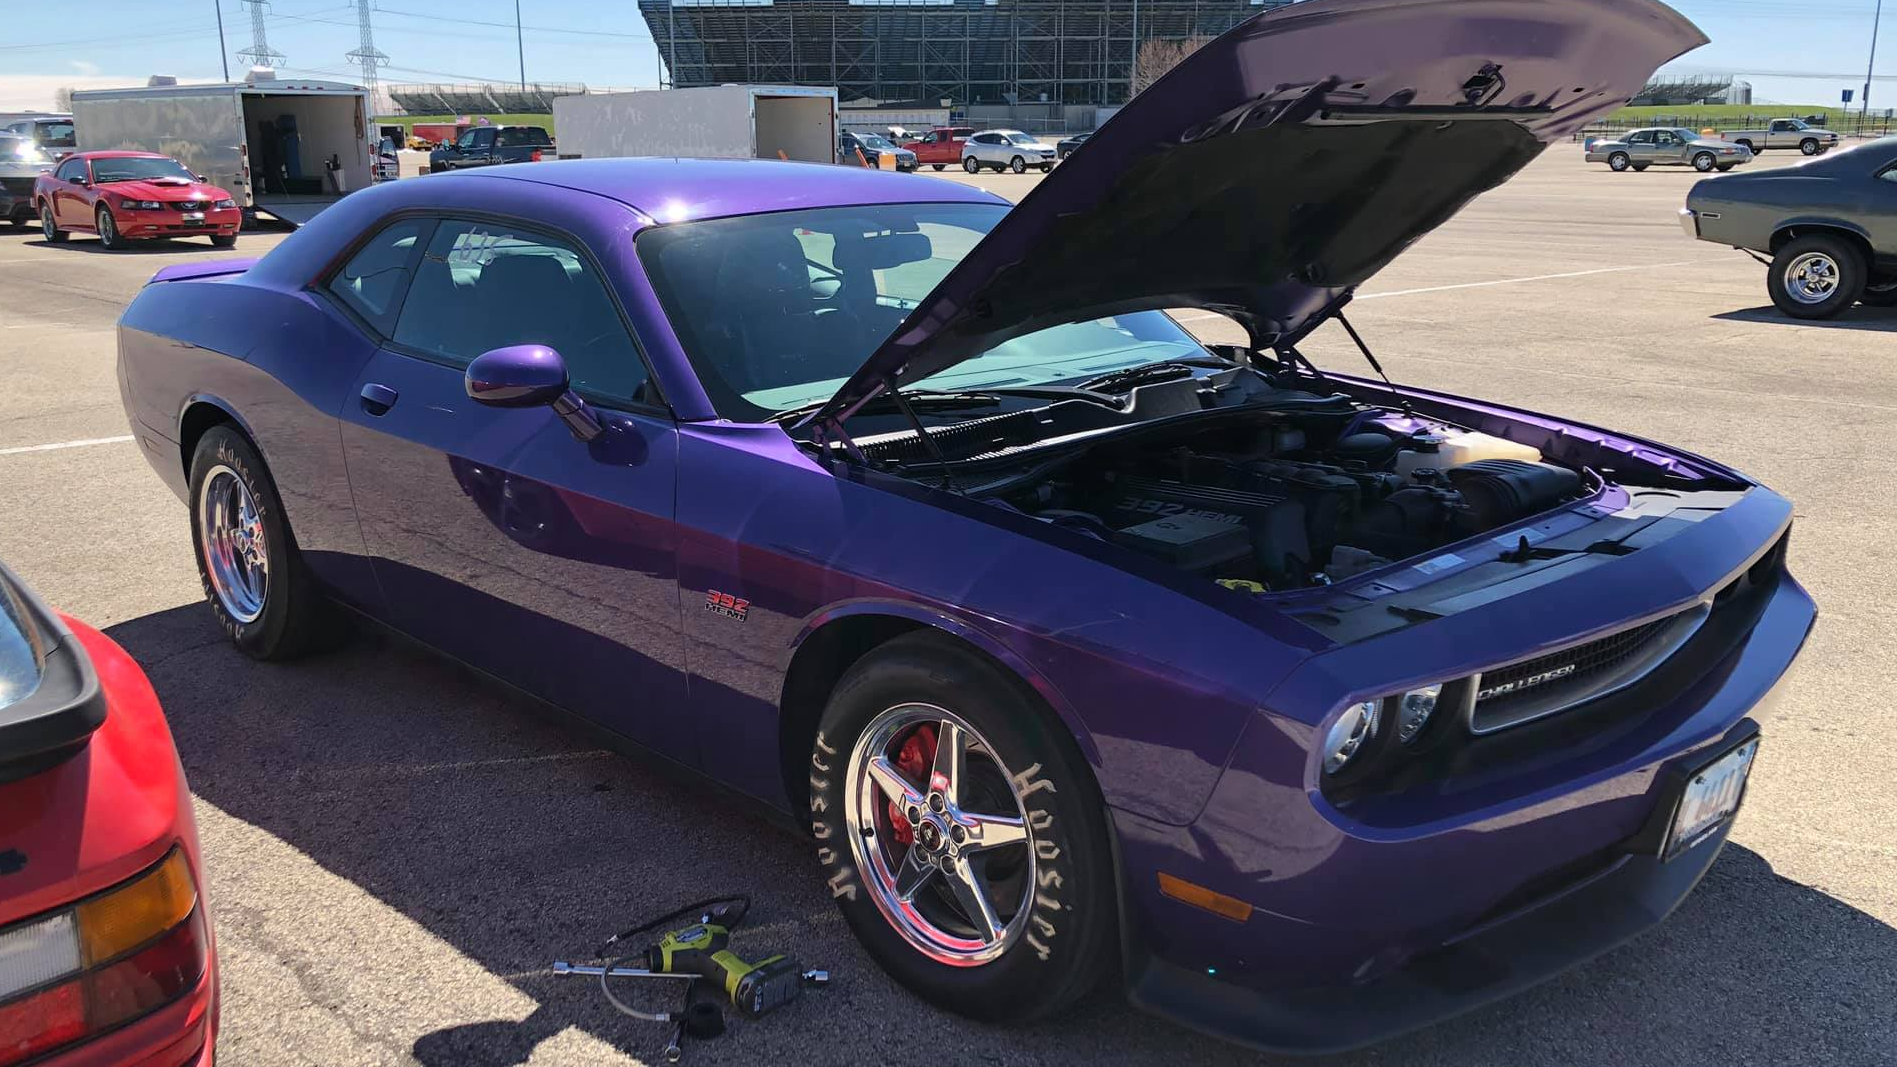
x: 961, y: 833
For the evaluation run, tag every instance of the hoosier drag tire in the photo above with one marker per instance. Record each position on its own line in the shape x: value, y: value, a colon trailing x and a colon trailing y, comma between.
x: 258, y: 586
x: 961, y: 832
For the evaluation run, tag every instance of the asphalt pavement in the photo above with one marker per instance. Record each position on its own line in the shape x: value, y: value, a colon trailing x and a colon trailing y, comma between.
x: 397, y: 850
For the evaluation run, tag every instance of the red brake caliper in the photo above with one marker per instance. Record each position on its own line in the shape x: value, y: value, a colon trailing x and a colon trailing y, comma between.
x: 914, y: 759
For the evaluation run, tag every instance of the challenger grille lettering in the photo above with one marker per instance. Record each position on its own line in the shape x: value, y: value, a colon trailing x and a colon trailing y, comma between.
x: 1529, y: 682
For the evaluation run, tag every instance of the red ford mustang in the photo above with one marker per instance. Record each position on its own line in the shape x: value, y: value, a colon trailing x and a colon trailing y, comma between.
x: 132, y: 196
x: 106, y: 954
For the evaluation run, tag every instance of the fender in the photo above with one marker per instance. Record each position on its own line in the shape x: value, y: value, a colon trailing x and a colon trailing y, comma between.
x: 1823, y: 222
x: 966, y: 629
x: 218, y: 402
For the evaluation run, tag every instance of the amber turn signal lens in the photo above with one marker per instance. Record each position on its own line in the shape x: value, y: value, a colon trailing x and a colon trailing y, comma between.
x: 1200, y: 897
x: 122, y: 920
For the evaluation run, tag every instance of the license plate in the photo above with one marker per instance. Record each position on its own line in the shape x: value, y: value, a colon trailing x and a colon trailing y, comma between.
x: 1712, y: 796
x: 194, y: 216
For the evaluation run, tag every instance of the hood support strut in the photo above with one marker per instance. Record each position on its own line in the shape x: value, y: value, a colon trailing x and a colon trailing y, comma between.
x: 1374, y: 365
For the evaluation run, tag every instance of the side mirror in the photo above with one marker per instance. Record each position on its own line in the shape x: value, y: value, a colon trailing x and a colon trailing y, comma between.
x: 201, y: 177
x: 525, y: 376
x: 77, y: 181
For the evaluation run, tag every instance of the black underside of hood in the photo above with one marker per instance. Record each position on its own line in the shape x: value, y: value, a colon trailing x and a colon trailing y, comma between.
x: 1283, y: 164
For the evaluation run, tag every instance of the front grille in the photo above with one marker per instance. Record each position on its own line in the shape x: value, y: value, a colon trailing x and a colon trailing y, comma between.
x: 17, y: 186
x: 1546, y: 684
x: 190, y: 205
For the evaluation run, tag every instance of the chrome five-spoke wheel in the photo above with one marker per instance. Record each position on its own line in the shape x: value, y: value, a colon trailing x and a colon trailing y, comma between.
x: 939, y: 831
x: 236, y: 552
x: 1812, y: 278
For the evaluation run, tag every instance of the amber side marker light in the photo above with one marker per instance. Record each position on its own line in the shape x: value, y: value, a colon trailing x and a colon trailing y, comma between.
x: 94, y: 966
x: 1200, y: 897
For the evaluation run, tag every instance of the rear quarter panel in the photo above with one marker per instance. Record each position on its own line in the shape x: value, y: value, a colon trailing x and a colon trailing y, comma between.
x: 1752, y: 207
x: 280, y: 363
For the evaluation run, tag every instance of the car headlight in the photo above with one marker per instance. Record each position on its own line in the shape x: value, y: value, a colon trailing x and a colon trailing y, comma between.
x: 1348, y: 735
x: 141, y: 205
x: 1413, y: 710
x: 227, y: 202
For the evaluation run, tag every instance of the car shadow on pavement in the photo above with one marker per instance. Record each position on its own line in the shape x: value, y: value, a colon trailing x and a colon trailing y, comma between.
x: 474, y: 814
x: 81, y: 242
x: 1858, y: 317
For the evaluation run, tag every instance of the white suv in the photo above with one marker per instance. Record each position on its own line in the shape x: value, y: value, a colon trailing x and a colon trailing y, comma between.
x: 1005, y: 149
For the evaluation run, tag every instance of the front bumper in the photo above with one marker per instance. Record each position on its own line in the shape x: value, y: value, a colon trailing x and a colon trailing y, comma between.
x: 170, y: 222
x: 1364, y: 930
x: 1490, y: 963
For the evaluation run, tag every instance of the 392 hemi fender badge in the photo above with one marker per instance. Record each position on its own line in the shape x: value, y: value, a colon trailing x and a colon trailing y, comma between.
x: 727, y: 605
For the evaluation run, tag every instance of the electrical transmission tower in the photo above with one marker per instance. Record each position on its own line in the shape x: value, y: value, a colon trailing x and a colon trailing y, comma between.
x: 365, y: 54
x: 260, y: 54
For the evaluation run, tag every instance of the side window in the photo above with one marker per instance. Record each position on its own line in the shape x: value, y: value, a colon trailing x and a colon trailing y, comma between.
x: 372, y: 283
x: 1643, y: 137
x: 1781, y: 126
x: 486, y: 285
x: 1889, y: 174
x: 72, y: 168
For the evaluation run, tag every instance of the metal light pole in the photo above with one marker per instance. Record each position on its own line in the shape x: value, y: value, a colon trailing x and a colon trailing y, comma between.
x: 522, y: 48
x: 1133, y: 70
x: 223, y: 51
x: 1876, y: 17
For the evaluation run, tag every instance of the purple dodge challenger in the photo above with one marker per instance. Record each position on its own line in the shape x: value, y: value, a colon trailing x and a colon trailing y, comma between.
x: 1316, y: 708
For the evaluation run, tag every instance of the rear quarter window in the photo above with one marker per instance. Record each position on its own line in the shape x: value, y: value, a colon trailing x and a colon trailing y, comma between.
x: 374, y: 281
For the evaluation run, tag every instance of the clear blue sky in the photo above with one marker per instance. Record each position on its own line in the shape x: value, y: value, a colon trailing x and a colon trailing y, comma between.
x: 605, y: 43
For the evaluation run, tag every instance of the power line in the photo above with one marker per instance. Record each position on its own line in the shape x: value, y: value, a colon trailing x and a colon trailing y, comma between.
x: 647, y: 37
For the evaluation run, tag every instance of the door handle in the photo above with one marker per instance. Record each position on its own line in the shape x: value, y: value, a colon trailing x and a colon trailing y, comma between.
x: 377, y: 399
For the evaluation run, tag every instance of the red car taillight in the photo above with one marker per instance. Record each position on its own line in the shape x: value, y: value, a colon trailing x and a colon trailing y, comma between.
x: 101, y: 963
x: 536, y: 156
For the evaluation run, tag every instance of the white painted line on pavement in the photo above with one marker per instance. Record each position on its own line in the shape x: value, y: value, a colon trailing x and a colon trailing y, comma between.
x: 1531, y: 278
x: 88, y: 442
x: 1199, y: 316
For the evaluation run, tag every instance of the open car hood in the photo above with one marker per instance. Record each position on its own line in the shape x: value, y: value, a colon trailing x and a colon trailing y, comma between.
x: 1281, y: 165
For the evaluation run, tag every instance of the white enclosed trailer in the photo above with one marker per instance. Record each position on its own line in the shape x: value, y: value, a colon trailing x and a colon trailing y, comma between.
x: 713, y: 122
x: 283, y: 147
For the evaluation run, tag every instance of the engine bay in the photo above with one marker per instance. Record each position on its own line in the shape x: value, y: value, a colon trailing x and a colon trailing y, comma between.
x: 1301, y: 499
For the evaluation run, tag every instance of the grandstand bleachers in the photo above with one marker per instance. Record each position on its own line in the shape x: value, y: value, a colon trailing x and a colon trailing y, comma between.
x: 536, y: 98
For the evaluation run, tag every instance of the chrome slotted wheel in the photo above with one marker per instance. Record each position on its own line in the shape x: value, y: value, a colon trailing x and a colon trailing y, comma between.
x: 231, y: 537
x: 940, y: 835
x: 1811, y: 278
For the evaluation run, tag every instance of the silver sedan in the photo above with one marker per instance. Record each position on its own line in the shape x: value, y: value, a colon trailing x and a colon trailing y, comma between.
x: 1667, y: 147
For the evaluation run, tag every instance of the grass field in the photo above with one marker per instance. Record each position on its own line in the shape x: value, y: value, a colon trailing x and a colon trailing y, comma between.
x: 1730, y: 113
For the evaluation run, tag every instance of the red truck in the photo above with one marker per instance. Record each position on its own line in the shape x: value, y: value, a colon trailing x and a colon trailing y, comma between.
x: 940, y: 147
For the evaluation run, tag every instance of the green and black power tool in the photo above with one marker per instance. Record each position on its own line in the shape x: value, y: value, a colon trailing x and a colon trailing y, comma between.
x: 754, y: 988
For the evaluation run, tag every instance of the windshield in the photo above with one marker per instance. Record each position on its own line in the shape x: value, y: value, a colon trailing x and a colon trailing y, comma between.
x: 136, y: 169
x: 1686, y: 135
x: 56, y: 134
x: 775, y: 311
x: 1021, y: 138
x: 871, y: 140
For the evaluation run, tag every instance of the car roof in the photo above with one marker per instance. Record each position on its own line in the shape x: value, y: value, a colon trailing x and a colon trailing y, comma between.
x: 118, y: 154
x: 712, y: 188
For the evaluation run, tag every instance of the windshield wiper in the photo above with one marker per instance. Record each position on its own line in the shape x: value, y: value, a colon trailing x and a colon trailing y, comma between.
x: 1122, y: 380
x: 928, y: 397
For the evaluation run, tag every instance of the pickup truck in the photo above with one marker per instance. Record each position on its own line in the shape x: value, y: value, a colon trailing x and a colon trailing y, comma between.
x: 485, y: 146
x: 1785, y: 133
x: 940, y: 147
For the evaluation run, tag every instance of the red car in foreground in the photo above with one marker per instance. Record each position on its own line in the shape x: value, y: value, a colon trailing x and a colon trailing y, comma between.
x: 106, y: 954
x: 132, y: 196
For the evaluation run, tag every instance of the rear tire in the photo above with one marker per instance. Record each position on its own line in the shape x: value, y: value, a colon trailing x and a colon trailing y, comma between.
x: 50, y: 229
x: 108, y: 229
x: 1619, y: 161
x: 1816, y: 277
x: 1747, y: 145
x: 237, y: 515
x: 1050, y: 891
x: 970, y: 165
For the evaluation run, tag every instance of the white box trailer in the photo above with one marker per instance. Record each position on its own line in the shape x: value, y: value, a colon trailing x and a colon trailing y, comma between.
x: 712, y: 122
x: 283, y: 147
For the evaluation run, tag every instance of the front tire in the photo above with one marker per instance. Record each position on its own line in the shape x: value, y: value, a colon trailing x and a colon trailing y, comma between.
x: 1816, y: 277
x: 1880, y: 292
x: 961, y: 833
x: 50, y: 229
x: 1018, y: 165
x: 1619, y: 162
x: 1724, y: 167
x: 1809, y: 146
x: 259, y: 589
x: 1704, y: 162
x: 223, y: 240
x: 108, y: 229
